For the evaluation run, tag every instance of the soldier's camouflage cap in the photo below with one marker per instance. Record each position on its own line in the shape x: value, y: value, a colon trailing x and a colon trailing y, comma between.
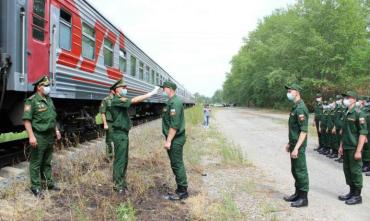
x: 169, y: 84
x: 119, y: 83
x: 44, y: 81
x: 362, y: 98
x: 293, y: 87
x: 318, y: 95
x: 350, y: 94
x: 325, y: 102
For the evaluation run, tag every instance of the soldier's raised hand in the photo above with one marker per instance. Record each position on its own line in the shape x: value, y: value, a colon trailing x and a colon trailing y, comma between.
x: 154, y: 91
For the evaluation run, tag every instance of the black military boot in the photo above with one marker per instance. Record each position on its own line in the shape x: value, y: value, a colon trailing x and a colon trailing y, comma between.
x: 37, y: 193
x: 54, y: 188
x: 302, y: 200
x: 291, y: 198
x: 356, y: 198
x: 348, y: 195
x: 180, y: 194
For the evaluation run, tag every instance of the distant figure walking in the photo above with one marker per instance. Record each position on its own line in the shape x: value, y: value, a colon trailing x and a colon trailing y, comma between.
x: 207, y: 114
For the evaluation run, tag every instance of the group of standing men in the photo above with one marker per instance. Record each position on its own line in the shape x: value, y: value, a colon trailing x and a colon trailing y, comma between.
x: 40, y: 121
x: 342, y: 126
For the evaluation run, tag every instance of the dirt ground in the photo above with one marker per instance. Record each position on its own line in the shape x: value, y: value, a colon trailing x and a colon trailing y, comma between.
x: 262, y: 136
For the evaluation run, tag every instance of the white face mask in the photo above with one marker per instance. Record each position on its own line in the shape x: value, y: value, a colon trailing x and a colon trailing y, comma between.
x: 358, y: 104
x: 123, y: 92
x: 347, y: 102
x: 47, y: 90
x: 290, y: 96
x: 318, y: 99
x: 338, y: 102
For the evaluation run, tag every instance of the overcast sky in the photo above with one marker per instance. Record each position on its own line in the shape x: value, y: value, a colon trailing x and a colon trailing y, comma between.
x: 193, y: 40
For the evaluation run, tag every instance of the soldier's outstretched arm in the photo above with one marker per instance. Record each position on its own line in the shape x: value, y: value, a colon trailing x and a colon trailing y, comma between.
x: 141, y: 98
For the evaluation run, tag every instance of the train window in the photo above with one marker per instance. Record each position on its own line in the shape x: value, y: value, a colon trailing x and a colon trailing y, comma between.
x: 122, y: 61
x: 141, y: 70
x: 133, y: 65
x: 108, y: 52
x: 161, y: 80
x: 65, y: 27
x: 152, y: 79
x: 88, y: 42
x: 147, y: 74
x: 157, y: 79
x: 38, y: 17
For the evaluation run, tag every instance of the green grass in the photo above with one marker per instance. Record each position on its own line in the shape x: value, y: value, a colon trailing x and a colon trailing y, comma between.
x: 125, y: 212
x: 194, y: 115
x: 228, y: 210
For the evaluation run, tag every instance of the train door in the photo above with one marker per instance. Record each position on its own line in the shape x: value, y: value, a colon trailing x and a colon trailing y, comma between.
x: 38, y: 39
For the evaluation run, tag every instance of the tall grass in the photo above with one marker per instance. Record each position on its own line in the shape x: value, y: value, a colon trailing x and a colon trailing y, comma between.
x: 194, y: 115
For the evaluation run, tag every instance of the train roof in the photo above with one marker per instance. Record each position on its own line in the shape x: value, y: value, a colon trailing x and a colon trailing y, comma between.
x: 119, y: 30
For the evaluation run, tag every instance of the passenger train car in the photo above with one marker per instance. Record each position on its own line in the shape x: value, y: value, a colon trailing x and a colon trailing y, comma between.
x: 82, y: 53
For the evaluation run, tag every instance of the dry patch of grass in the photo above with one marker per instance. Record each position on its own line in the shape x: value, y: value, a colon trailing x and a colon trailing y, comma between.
x: 220, y: 179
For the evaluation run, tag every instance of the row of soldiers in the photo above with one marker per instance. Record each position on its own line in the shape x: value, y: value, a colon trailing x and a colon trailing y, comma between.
x: 329, y: 116
x: 40, y: 121
x: 342, y: 125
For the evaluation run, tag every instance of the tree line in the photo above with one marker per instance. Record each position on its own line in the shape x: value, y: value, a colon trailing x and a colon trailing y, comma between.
x: 323, y: 45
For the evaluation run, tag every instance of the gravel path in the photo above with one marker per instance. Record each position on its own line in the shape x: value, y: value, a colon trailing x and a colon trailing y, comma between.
x: 262, y: 136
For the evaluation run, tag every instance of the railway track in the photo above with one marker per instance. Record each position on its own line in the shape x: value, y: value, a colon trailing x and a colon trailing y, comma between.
x: 14, y: 155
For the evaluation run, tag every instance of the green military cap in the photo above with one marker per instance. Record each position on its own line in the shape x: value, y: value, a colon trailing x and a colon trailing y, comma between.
x: 362, y: 98
x: 119, y: 83
x: 350, y: 94
x: 44, y: 80
x: 318, y: 95
x: 294, y: 87
x: 169, y: 84
x: 338, y: 97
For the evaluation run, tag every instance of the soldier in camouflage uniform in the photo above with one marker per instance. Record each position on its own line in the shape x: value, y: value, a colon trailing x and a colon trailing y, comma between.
x: 318, y: 112
x: 106, y: 116
x: 40, y: 122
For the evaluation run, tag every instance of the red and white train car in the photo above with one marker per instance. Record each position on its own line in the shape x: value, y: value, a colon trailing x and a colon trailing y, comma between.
x: 80, y: 50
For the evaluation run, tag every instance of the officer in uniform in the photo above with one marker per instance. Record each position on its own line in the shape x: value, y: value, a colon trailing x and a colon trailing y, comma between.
x: 298, y: 129
x: 318, y: 112
x: 121, y: 125
x: 324, y: 129
x: 107, y: 122
x: 366, y: 151
x: 338, y: 122
x: 39, y: 119
x: 367, y: 112
x: 353, y: 140
x: 173, y: 128
x: 333, y: 151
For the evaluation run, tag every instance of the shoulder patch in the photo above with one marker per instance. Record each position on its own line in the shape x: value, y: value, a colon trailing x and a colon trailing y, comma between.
x: 362, y: 120
x: 27, y: 108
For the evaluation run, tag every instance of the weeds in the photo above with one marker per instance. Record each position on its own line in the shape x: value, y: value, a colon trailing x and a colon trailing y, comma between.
x: 125, y: 212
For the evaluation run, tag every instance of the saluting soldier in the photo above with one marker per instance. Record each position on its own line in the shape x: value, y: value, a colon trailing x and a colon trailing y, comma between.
x: 121, y: 126
x: 353, y: 140
x: 338, y: 121
x: 173, y: 128
x: 106, y: 116
x: 318, y: 112
x: 40, y: 122
x: 298, y: 129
